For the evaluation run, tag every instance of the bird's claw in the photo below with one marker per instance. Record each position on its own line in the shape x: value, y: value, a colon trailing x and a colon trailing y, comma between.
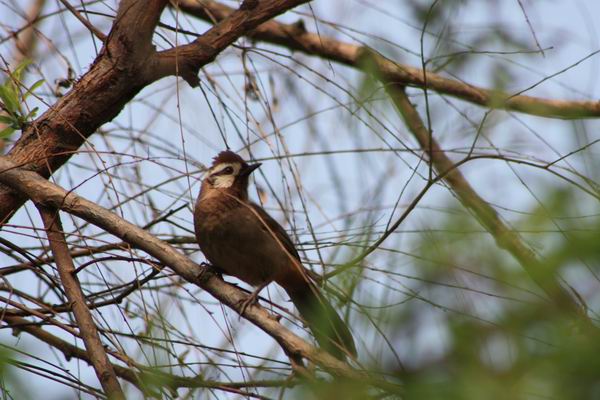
x: 252, y: 299
x: 210, y: 269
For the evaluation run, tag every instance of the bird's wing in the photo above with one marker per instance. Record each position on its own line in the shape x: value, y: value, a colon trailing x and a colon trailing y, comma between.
x: 285, y: 240
x: 273, y: 226
x: 329, y: 329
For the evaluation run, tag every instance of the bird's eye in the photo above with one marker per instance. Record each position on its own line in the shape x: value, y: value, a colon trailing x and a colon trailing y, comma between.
x: 228, y: 171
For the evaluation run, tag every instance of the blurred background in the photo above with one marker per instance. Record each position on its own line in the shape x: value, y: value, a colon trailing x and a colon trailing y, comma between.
x: 437, y: 307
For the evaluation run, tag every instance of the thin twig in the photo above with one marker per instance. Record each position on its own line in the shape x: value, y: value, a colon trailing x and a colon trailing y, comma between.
x: 295, y: 37
x: 505, y: 237
x: 43, y: 192
x: 98, y: 33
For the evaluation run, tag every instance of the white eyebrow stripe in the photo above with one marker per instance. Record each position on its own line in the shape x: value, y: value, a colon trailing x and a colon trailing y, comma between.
x: 225, y: 181
x: 221, y: 167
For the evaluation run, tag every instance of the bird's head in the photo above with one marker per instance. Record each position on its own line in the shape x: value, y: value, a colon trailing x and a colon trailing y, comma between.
x: 229, y: 172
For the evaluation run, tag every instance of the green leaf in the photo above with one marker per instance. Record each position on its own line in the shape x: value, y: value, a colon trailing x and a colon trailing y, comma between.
x: 16, y: 74
x: 32, y: 88
x: 6, y: 132
x: 32, y: 114
x: 10, y: 101
x: 6, y: 120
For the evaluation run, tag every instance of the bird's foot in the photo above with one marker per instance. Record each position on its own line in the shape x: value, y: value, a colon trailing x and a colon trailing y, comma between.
x: 248, y: 301
x: 252, y: 299
x: 209, y: 269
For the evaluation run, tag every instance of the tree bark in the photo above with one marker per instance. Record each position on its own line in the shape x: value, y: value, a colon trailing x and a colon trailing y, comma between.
x: 127, y: 63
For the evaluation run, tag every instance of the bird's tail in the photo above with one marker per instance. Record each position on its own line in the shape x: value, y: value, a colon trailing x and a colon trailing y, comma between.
x: 331, y: 332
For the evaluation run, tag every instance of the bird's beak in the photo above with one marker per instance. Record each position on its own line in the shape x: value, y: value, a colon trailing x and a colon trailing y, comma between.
x: 249, y: 169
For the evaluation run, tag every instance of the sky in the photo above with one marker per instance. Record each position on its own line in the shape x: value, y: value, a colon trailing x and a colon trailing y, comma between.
x: 313, y: 108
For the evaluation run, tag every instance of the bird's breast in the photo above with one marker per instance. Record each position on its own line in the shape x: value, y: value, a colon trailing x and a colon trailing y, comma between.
x: 234, y: 240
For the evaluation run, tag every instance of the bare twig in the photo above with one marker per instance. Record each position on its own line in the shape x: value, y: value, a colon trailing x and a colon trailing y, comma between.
x: 24, y: 46
x: 506, y: 238
x: 97, y: 97
x: 127, y: 63
x: 99, y: 34
x: 133, y: 376
x: 68, y: 350
x: 187, y: 59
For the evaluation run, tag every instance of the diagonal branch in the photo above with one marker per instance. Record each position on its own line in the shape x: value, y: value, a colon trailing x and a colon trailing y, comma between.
x: 97, y: 97
x: 506, y: 238
x: 295, y: 37
x: 87, y: 328
x: 396, y: 76
x: 97, y: 32
x: 186, y: 60
x: 48, y: 194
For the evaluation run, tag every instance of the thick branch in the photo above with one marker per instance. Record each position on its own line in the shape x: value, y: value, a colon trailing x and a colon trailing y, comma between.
x: 113, y: 80
x: 47, y: 194
x: 127, y: 63
x: 83, y: 316
x: 295, y: 37
x: 396, y: 76
x: 186, y: 60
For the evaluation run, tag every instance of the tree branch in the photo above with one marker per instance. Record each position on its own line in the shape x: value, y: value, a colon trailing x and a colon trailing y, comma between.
x: 505, y: 238
x: 24, y: 46
x: 295, y: 37
x: 87, y: 328
x: 186, y: 60
x: 48, y: 194
x: 97, y: 32
x: 113, y: 80
x: 68, y: 350
x: 138, y: 378
x: 127, y: 63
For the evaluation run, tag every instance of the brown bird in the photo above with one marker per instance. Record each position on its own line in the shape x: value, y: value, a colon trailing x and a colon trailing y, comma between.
x: 239, y: 238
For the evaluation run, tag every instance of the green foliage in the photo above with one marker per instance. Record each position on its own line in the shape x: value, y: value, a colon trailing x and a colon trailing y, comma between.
x: 12, y: 98
x: 527, y: 347
x: 533, y: 352
x: 369, y: 83
x: 12, y: 386
x: 338, y: 389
